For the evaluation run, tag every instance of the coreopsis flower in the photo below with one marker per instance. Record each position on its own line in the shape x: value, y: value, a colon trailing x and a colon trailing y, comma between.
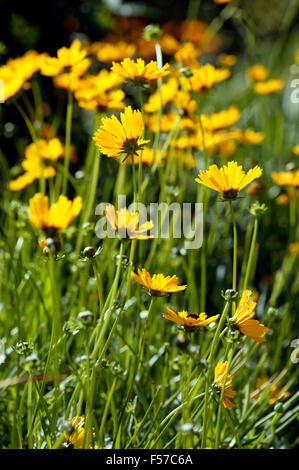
x: 189, y: 320
x: 275, y: 393
x: 229, y: 179
x: 16, y: 73
x: 221, y: 1
x: 242, y: 319
x: 227, y: 60
x: 224, y: 118
x: 75, y: 438
x: 219, y: 376
x: 187, y: 54
x: 205, y: 77
x: 249, y: 136
x: 286, y: 178
x: 98, y: 91
x: 53, y: 218
x: 270, y: 86
x: 257, y: 72
x: 107, y: 52
x: 157, y: 284
x: 284, y: 199
x: 35, y: 163
x: 70, y: 64
x: 121, y: 137
x: 127, y: 223
x: 295, y: 149
x: 168, y: 92
x: 197, y: 32
x: 139, y: 72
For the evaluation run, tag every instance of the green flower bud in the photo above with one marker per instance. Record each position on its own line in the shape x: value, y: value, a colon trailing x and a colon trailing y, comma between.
x: 152, y: 31
x: 86, y: 317
x: 230, y: 295
x: 89, y: 252
x: 187, y: 72
x: 257, y: 209
x: 279, y: 407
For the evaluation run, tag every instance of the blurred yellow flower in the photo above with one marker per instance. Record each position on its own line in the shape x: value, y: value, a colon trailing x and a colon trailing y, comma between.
x: 242, y: 319
x: 107, y: 52
x: 70, y: 64
x: 189, y: 320
x: 286, y: 178
x: 121, y: 137
x: 56, y: 217
x: 219, y: 376
x: 275, y: 393
x: 138, y: 71
x: 257, y: 72
x: 168, y: 92
x: 270, y: 86
x: 228, y: 180
x: 16, y: 72
x: 157, y: 283
x: 294, y: 248
x: 204, y: 77
x: 224, y: 118
x: 295, y: 149
x: 127, y: 223
x: 187, y: 54
x: 227, y: 60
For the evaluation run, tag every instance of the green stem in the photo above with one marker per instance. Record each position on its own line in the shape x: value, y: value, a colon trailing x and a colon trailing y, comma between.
x: 68, y: 130
x: 210, y: 373
x: 251, y: 254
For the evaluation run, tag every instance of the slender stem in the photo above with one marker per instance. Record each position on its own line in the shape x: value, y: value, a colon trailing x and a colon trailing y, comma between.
x: 68, y: 129
x: 210, y: 372
x: 251, y: 253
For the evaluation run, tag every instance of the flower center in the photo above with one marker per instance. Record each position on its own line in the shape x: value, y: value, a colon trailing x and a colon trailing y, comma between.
x: 230, y: 194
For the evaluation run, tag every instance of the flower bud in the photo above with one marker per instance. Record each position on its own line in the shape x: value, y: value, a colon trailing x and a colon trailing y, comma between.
x: 182, y: 341
x: 89, y: 252
x: 86, y: 317
x: 257, y: 209
x: 230, y: 295
x: 187, y: 72
x: 24, y: 348
x: 152, y: 31
x: 279, y: 407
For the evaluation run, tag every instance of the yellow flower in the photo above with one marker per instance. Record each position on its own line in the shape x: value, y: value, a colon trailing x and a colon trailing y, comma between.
x: 205, y: 77
x: 149, y: 157
x: 126, y: 223
x: 76, y: 438
x: 121, y: 137
x: 70, y: 64
x: 294, y: 248
x: 187, y: 54
x: 36, y: 154
x: 16, y: 72
x: 283, y: 199
x: 249, y: 136
x: 227, y: 60
x: 242, y: 319
x: 107, y: 52
x: 168, y: 91
x: 224, y: 118
x: 274, y: 392
x: 228, y: 180
x: 157, y: 283
x: 219, y: 376
x: 138, y: 71
x: 270, y: 86
x: 221, y: 1
x: 286, y: 178
x: 188, y: 320
x: 257, y: 72
x: 295, y: 149
x: 56, y: 217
